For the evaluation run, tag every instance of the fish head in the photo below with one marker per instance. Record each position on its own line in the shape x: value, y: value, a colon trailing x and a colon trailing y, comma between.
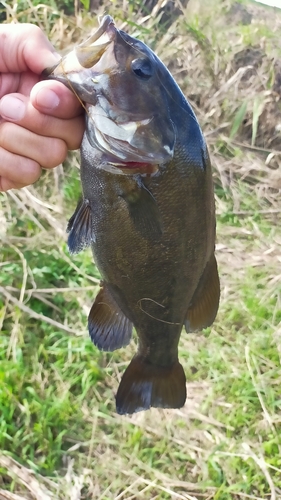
x: 120, y: 81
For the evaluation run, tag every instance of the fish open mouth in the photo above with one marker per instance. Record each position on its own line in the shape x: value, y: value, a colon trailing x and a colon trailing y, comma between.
x: 89, y: 52
x: 131, y: 140
x: 86, y: 54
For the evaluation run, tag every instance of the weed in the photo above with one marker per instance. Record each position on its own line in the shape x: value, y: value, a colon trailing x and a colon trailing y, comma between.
x: 59, y: 434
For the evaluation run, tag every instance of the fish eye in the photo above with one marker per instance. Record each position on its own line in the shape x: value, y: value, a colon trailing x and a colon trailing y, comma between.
x: 142, y: 68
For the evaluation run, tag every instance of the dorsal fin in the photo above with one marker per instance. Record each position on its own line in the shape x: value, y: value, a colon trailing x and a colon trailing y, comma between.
x: 80, y: 227
x: 109, y: 328
x: 205, y: 301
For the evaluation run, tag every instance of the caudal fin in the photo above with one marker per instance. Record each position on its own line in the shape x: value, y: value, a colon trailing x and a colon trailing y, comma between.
x: 144, y: 385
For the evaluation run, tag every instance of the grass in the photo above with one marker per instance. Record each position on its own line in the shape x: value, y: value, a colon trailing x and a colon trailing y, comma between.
x: 60, y: 437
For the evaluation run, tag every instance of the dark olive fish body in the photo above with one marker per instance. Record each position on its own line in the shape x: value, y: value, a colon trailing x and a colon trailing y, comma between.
x: 151, y: 224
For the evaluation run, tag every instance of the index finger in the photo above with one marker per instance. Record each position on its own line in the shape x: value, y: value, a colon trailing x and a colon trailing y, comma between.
x: 25, y: 47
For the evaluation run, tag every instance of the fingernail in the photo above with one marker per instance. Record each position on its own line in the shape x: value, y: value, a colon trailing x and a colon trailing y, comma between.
x: 47, y: 99
x: 50, y: 59
x: 12, y: 108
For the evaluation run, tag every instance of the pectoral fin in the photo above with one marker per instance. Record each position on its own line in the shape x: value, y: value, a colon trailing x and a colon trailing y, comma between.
x: 144, y: 211
x: 109, y: 328
x: 205, y: 301
x: 80, y: 227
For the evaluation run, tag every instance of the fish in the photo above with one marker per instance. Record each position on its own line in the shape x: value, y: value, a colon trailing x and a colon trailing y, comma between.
x: 147, y: 211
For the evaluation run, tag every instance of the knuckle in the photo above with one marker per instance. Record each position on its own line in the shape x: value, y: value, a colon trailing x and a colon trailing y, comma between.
x: 5, y: 133
x: 3, y: 187
x: 35, y: 34
x: 17, y: 171
x: 76, y: 132
x: 44, y: 125
x: 56, y: 153
x: 28, y: 171
x: 33, y: 171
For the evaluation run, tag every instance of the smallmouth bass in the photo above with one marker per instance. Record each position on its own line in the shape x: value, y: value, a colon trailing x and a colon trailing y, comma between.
x: 147, y: 211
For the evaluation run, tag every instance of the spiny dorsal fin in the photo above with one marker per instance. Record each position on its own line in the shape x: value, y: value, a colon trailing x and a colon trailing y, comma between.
x: 80, y: 227
x: 144, y: 385
x: 109, y: 328
x: 205, y: 301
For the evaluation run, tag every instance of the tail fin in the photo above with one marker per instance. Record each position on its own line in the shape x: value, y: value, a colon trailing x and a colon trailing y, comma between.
x: 144, y: 385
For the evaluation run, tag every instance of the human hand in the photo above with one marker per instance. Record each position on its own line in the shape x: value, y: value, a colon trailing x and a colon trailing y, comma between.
x: 39, y: 120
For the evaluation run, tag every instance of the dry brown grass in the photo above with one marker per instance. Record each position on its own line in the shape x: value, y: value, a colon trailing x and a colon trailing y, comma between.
x: 224, y: 443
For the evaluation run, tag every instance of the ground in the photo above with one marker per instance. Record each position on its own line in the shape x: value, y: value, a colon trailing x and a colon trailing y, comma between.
x: 60, y: 437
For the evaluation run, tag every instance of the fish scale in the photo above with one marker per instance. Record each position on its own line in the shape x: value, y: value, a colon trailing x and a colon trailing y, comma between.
x: 147, y: 211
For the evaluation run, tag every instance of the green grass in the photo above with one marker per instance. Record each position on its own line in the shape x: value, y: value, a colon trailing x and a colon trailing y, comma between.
x: 57, y: 410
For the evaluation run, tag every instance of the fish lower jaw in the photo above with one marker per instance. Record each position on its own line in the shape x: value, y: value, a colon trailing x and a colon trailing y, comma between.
x: 131, y: 168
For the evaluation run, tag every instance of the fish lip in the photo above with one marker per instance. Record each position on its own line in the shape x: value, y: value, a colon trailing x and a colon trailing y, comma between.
x: 131, y: 168
x: 106, y: 25
x: 116, y: 164
x: 86, y: 54
x: 91, y: 50
x: 112, y: 164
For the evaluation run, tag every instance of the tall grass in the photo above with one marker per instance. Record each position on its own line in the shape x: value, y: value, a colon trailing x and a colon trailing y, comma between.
x: 60, y: 437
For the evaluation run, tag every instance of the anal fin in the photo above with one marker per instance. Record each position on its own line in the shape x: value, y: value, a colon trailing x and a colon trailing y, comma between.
x: 145, y: 385
x: 80, y: 227
x: 109, y: 328
x: 205, y: 301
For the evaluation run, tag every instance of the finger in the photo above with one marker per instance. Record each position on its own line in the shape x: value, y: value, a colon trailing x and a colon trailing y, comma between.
x: 17, y: 108
x: 25, y: 47
x: 54, y: 98
x: 47, y: 151
x: 17, y: 82
x: 8, y: 83
x: 17, y: 171
x: 6, y: 184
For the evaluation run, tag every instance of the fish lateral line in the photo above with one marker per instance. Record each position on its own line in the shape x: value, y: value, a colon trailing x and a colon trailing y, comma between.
x: 154, y: 317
